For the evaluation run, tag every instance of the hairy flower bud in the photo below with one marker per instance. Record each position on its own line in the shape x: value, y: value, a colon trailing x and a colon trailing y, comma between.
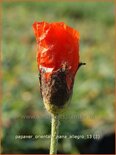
x: 58, y: 62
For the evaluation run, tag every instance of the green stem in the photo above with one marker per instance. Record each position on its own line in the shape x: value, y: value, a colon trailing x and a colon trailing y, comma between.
x: 54, y: 134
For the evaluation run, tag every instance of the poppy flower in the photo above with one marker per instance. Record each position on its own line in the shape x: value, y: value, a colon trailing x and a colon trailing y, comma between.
x: 58, y: 62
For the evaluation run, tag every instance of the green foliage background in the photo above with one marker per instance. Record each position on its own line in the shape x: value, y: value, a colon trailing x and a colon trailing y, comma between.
x: 92, y: 106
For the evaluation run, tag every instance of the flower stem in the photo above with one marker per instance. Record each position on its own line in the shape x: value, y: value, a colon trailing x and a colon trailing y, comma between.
x: 54, y: 134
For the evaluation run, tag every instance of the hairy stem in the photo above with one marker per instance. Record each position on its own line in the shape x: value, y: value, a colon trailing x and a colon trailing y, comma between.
x: 54, y: 134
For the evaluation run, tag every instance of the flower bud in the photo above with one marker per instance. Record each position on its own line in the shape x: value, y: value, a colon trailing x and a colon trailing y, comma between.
x: 58, y: 62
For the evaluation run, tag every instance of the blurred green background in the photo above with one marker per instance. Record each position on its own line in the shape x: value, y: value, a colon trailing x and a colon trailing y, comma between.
x: 92, y: 106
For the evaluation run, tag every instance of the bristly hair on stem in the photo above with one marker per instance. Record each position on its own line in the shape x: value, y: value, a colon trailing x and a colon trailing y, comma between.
x: 54, y: 134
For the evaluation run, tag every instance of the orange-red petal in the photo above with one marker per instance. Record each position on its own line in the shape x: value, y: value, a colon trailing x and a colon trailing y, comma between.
x: 58, y: 44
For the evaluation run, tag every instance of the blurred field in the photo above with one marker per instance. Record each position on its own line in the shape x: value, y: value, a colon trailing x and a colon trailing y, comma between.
x: 92, y: 107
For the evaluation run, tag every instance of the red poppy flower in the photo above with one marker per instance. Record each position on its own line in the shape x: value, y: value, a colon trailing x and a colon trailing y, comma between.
x: 58, y: 51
